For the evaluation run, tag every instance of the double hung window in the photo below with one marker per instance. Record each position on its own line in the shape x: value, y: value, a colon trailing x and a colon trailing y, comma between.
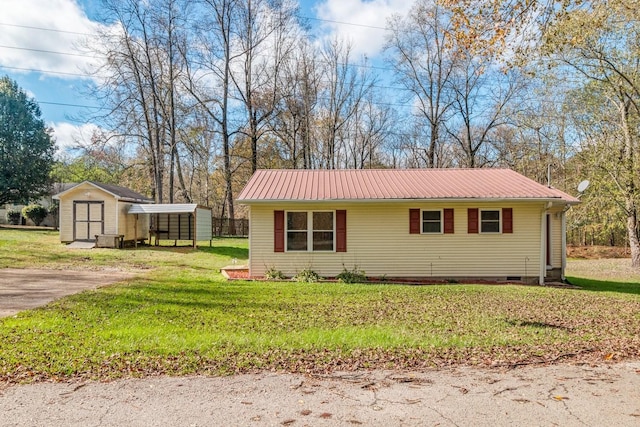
x: 490, y: 221
x: 432, y: 221
x: 310, y: 231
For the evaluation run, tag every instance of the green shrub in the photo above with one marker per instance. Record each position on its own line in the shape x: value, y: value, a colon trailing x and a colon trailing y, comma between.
x: 353, y: 276
x: 13, y: 217
x: 307, y: 275
x: 273, y: 274
x: 35, y: 213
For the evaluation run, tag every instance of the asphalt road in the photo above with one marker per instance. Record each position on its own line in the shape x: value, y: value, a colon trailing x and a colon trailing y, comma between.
x: 557, y: 395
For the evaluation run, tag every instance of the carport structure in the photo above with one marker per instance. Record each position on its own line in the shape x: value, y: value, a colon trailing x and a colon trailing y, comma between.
x: 179, y: 221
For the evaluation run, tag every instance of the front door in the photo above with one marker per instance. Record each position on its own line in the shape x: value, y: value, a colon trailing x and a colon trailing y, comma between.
x: 88, y: 220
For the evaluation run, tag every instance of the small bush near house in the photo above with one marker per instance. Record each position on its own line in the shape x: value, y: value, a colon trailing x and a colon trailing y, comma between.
x: 35, y: 213
x: 13, y: 217
x: 307, y: 275
x: 53, y: 209
x: 353, y: 276
x: 273, y: 274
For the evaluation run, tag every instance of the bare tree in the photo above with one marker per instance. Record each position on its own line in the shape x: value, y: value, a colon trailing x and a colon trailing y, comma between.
x: 139, y: 78
x: 483, y: 95
x: 343, y: 90
x: 266, y: 35
x: 422, y: 56
x: 298, y: 99
x: 370, y: 128
x: 209, y: 80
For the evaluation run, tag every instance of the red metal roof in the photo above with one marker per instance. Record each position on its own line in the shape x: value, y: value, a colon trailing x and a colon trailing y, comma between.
x: 394, y: 184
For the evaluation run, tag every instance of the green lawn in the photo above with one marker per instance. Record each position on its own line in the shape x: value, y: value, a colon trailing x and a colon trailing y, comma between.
x: 179, y: 316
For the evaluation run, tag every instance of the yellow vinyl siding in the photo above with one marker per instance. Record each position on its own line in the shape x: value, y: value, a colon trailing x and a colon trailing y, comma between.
x: 378, y: 242
x: 556, y: 238
x: 127, y: 223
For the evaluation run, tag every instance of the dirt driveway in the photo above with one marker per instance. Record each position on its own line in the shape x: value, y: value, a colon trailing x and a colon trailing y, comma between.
x: 565, y: 395
x: 23, y: 289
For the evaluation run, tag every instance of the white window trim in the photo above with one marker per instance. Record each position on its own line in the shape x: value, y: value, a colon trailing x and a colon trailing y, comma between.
x: 499, y: 221
x: 309, y: 231
x: 441, y: 221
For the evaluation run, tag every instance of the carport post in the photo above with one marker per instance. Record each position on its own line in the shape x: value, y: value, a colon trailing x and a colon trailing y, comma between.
x: 135, y: 232
x: 193, y: 225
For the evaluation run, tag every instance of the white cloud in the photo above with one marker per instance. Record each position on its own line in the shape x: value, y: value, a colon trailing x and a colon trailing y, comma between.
x: 30, y: 48
x: 69, y: 136
x: 366, y: 13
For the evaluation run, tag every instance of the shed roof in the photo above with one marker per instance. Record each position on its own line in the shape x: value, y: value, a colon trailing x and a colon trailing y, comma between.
x: 164, y: 208
x: 120, y: 193
x: 395, y: 184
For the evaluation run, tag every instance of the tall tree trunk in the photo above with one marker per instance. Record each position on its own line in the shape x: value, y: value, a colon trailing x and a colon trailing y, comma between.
x: 632, y: 231
x: 630, y: 137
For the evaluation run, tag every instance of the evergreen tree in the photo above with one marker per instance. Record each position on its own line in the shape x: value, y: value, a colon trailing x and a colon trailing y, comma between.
x: 26, y: 146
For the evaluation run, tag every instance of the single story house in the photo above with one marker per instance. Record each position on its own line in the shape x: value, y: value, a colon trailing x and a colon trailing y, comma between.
x: 435, y: 224
x: 175, y: 221
x: 91, y: 209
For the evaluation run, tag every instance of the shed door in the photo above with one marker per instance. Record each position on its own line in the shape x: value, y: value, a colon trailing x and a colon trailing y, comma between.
x: 88, y: 220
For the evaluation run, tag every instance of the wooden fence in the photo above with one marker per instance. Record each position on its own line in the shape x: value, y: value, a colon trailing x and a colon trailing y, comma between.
x: 230, y: 227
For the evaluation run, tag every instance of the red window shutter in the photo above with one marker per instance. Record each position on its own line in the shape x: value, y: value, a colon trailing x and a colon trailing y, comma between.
x: 448, y: 221
x: 472, y: 220
x: 278, y: 231
x: 341, y: 231
x: 414, y: 221
x: 507, y: 220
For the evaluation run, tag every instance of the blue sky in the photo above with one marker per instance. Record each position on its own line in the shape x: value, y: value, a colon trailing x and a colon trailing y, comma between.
x: 37, y: 39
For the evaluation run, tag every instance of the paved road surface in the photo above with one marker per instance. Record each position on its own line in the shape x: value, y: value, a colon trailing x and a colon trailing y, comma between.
x: 559, y: 395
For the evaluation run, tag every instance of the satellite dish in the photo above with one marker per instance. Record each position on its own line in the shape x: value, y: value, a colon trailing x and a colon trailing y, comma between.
x: 583, y: 186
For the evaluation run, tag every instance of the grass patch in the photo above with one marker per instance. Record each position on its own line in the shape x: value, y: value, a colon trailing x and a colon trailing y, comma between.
x: 42, y: 249
x: 181, y: 317
x: 605, y: 286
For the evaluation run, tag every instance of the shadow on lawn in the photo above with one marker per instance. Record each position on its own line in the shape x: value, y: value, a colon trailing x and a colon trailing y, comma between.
x: 227, y: 251
x: 198, y: 294
x: 605, y: 286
